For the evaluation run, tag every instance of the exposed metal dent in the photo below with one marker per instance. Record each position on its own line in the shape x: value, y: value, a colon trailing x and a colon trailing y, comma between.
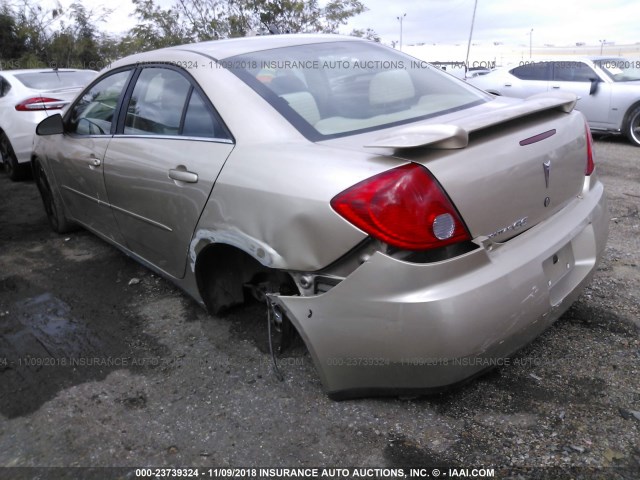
x: 487, y: 243
x: 260, y: 251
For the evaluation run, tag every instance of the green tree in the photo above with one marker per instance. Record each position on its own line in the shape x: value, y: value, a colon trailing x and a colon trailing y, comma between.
x: 369, y: 34
x: 33, y: 36
x: 156, y: 28
x: 199, y: 20
x: 86, y: 47
x: 12, y: 45
x: 338, y: 12
x: 33, y: 29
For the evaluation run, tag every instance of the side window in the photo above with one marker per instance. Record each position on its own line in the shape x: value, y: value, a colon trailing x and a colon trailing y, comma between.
x: 157, y: 103
x: 532, y: 71
x: 4, y: 87
x: 94, y: 113
x: 573, y: 72
x: 199, y: 121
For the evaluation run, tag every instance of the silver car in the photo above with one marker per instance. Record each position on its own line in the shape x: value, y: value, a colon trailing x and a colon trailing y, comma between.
x: 608, y: 88
x: 413, y: 229
x: 27, y: 97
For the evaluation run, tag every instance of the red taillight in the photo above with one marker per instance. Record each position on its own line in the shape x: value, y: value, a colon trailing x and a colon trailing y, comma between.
x: 40, y: 103
x: 404, y: 207
x: 590, y: 165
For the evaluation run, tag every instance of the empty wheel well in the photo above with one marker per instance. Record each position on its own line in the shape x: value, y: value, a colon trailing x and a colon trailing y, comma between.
x: 225, y: 274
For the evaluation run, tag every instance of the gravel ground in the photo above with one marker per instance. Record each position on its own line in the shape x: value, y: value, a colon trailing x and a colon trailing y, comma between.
x: 159, y: 383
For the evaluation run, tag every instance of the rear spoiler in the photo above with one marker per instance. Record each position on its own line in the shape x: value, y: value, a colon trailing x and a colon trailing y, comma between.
x: 446, y: 136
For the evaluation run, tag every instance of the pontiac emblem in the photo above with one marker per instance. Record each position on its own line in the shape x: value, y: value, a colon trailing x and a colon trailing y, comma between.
x: 547, y: 170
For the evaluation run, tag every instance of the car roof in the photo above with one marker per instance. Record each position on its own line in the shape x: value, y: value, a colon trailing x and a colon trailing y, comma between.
x: 221, y: 49
x: 42, y: 70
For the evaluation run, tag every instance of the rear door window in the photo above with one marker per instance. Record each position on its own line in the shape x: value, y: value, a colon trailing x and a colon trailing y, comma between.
x: 533, y: 71
x: 199, y: 121
x: 157, y: 103
x: 164, y: 102
x: 4, y: 87
x: 573, y: 72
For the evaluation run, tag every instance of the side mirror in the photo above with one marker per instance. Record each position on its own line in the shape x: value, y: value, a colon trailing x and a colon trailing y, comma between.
x: 595, y: 82
x: 52, y: 125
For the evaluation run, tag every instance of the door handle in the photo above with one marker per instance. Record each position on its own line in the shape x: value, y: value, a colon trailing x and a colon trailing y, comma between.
x: 94, y: 161
x: 183, y: 175
x: 507, y: 84
x: 557, y: 87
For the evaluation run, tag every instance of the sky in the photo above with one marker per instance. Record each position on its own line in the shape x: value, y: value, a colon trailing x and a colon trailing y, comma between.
x: 554, y: 22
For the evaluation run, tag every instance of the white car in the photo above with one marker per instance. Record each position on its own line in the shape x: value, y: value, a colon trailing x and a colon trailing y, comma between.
x: 26, y: 97
x: 608, y: 88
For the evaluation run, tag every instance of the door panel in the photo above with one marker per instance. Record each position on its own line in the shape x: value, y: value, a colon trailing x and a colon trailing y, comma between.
x: 78, y: 169
x: 160, y: 171
x: 575, y: 77
x: 77, y: 158
x: 156, y: 213
x: 526, y: 80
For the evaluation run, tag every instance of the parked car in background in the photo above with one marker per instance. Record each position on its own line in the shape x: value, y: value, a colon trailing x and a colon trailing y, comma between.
x: 477, y: 72
x: 413, y: 229
x: 26, y: 97
x: 608, y: 88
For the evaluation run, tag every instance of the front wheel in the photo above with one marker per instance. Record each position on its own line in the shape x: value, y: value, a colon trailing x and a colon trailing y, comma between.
x: 15, y: 170
x: 632, y: 128
x: 52, y: 205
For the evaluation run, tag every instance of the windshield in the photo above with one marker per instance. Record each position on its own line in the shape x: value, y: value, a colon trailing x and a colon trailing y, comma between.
x: 333, y: 89
x: 619, y: 69
x: 53, y: 79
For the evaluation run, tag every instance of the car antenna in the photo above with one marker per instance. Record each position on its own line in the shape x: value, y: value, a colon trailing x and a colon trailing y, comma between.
x: 54, y: 67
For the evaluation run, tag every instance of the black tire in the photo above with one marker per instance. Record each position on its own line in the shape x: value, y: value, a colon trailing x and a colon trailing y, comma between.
x: 15, y: 170
x: 632, y: 127
x: 53, y: 206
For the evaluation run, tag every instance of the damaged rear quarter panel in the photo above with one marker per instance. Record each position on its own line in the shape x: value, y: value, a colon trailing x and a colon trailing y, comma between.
x: 275, y: 204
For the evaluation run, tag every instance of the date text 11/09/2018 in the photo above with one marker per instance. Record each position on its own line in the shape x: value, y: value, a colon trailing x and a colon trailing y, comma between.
x: 330, y: 473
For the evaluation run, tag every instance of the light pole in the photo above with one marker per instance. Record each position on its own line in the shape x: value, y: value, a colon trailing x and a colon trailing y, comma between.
x: 602, y: 42
x: 473, y: 20
x: 530, y: 43
x: 401, y: 18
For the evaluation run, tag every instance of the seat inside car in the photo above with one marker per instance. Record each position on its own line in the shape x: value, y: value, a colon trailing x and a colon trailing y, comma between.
x: 391, y: 91
x: 304, y: 104
x: 294, y: 91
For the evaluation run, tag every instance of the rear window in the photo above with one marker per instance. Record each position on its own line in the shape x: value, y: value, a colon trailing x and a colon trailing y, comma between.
x: 52, y: 80
x: 334, y: 89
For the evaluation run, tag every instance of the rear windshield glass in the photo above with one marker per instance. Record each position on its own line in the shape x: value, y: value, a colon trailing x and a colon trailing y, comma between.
x: 334, y: 89
x: 52, y: 80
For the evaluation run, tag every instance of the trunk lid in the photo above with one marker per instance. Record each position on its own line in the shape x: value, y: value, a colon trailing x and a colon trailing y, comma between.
x: 506, y: 167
